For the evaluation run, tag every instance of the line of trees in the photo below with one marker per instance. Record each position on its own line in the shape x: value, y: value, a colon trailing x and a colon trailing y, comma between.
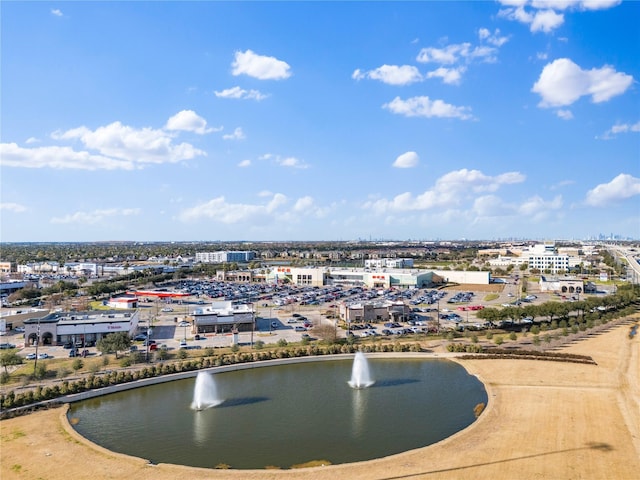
x: 625, y: 296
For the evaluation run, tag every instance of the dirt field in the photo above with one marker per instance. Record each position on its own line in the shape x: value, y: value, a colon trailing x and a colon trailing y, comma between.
x: 544, y: 420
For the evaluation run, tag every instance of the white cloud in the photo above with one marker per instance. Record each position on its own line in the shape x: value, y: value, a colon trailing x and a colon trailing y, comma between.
x: 291, y: 162
x: 95, y: 216
x: 450, y: 76
x: 244, y: 163
x: 189, y: 121
x: 32, y: 140
x: 620, y: 128
x: 260, y: 66
x: 425, y: 107
x: 536, y: 209
x: 237, y: 134
x: 544, y: 16
x: 444, y: 56
x: 220, y: 210
x: 240, y: 93
x: 546, y: 21
x: 57, y: 12
x: 391, y: 74
x: 492, y: 206
x: 492, y: 38
x: 620, y: 188
x: 11, y: 155
x: 13, y: 207
x: 138, y: 146
x: 562, y: 82
x: 407, y: 160
x: 461, y: 53
x: 450, y: 190
x: 564, y: 114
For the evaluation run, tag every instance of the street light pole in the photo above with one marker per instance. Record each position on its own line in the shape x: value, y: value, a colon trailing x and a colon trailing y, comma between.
x: 35, y: 362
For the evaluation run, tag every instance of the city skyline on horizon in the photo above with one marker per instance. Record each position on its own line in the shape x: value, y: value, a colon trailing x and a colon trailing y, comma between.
x: 335, y: 121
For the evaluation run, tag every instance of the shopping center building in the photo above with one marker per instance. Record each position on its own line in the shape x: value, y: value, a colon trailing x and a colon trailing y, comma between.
x: 59, y: 328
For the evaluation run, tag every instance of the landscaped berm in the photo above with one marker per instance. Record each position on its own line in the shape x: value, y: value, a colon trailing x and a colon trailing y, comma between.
x: 544, y: 420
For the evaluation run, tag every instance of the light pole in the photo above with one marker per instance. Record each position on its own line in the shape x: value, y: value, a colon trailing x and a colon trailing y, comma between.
x: 35, y: 362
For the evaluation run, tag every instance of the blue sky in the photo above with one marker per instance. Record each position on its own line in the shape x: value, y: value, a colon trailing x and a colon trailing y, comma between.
x: 177, y: 121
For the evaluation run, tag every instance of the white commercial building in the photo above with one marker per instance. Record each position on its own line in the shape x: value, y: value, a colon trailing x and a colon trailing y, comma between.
x: 82, y: 328
x: 222, y: 317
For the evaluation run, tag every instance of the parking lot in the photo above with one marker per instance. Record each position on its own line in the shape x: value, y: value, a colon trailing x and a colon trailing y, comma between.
x: 277, y: 306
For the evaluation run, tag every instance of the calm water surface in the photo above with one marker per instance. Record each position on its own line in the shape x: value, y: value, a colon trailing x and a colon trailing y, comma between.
x: 289, y: 414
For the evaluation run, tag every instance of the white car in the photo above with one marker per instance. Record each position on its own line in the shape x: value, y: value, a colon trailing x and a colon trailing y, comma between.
x: 184, y: 324
x: 31, y: 356
x: 43, y: 356
x: 19, y: 329
x: 167, y: 309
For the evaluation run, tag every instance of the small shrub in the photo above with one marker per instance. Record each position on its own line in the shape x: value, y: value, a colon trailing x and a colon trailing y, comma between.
x: 474, y: 338
x: 258, y: 345
x: 489, y: 335
x: 77, y: 364
x: 4, y: 377
x: 513, y: 336
x: 235, y: 348
x: 282, y: 343
x: 105, y: 360
x: 536, y: 340
x: 499, y: 340
x: 535, y: 330
x: 41, y: 371
x: 182, y: 354
x: 125, y: 362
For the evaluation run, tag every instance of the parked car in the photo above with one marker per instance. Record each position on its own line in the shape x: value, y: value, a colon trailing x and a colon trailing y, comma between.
x: 19, y: 329
x: 31, y: 356
x: 167, y: 309
x: 43, y: 356
x: 184, y: 324
x: 138, y: 338
x: 6, y: 346
x: 300, y: 328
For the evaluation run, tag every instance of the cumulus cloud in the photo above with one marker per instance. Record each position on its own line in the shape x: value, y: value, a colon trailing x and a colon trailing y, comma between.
x: 13, y: 207
x: 620, y: 128
x: 455, y: 53
x: 12, y: 155
x: 425, y: 107
x: 391, y: 74
x: 110, y: 147
x: 620, y: 188
x: 450, y: 76
x: 241, y: 94
x: 237, y: 134
x: 244, y: 163
x: 189, y: 121
x: 220, y: 210
x: 537, y: 209
x: 260, y: 66
x: 57, y: 12
x: 407, y: 160
x: 95, y: 216
x: 562, y: 82
x: 291, y: 162
x: 449, y: 191
x: 564, y: 114
x: 136, y: 145
x: 543, y: 16
x: 454, y: 58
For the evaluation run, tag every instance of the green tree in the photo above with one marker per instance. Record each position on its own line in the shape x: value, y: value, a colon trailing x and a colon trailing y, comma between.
x: 114, y: 343
x: 77, y: 364
x: 10, y: 358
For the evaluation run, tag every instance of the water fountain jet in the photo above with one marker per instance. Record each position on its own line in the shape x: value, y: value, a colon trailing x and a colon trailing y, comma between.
x: 360, y: 375
x: 205, y: 392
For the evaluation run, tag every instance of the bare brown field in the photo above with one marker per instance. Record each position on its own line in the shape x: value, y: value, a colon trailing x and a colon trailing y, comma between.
x: 544, y: 420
